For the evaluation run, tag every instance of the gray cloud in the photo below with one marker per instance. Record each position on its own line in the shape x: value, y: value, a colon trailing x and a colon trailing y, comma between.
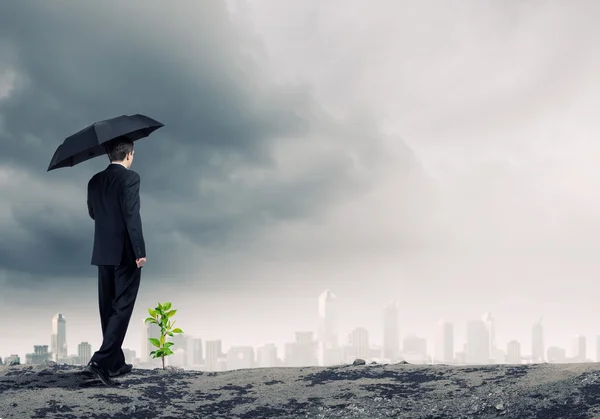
x: 239, y: 152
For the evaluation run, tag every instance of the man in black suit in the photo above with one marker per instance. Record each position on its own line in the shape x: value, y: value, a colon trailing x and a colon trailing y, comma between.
x: 119, y: 252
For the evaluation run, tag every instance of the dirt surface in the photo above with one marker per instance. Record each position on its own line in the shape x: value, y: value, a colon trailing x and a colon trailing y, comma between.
x: 544, y: 391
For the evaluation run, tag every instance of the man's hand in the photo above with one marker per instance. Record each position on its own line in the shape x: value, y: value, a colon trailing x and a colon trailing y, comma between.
x: 140, y: 262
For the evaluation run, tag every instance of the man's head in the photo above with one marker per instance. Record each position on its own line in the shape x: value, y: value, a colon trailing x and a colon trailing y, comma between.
x: 120, y: 150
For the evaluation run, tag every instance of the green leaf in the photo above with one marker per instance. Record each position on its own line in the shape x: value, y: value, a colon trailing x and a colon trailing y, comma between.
x: 171, y: 313
x: 152, y: 353
x: 168, y: 351
x: 168, y: 344
x: 167, y: 306
x: 158, y: 354
x: 177, y: 330
x: 162, y: 339
x: 150, y: 320
x: 155, y: 342
x: 170, y: 334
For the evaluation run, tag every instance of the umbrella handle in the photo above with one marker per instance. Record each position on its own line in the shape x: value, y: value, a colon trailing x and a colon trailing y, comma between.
x: 107, y: 155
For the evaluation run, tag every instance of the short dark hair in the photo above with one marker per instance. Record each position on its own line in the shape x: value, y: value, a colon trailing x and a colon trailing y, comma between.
x: 119, y: 148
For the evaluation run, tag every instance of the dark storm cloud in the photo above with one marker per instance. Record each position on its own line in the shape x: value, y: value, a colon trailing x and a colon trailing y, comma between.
x: 85, y: 62
x: 43, y: 238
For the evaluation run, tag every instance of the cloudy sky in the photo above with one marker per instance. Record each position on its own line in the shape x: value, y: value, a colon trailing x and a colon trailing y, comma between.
x: 444, y: 154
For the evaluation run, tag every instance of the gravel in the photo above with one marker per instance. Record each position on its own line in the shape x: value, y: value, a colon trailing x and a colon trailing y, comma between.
x: 351, y: 391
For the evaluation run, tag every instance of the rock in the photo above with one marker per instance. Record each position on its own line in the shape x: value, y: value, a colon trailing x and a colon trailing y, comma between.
x: 45, y: 371
x: 169, y: 369
x: 359, y: 362
x: 500, y: 406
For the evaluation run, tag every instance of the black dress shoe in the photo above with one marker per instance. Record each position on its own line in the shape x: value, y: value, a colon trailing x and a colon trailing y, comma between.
x: 101, y: 373
x: 121, y: 371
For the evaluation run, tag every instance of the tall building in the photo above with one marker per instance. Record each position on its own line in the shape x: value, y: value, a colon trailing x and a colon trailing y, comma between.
x: 213, y: 354
x: 84, y: 352
x: 71, y: 360
x: 478, y: 343
x: 444, y: 345
x: 12, y: 359
x: 490, y: 324
x: 196, y: 357
x: 359, y: 344
x: 302, y: 352
x: 178, y: 359
x: 414, y: 349
x: 180, y: 342
x: 149, y: 331
x: 240, y: 357
x: 513, y: 352
x: 59, y: 338
x: 391, y: 332
x: 537, y: 342
x: 39, y: 356
x: 328, y: 348
x: 266, y: 356
x: 579, y: 348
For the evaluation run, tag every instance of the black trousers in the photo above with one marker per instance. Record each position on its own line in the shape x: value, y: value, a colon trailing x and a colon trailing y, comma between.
x: 117, y: 291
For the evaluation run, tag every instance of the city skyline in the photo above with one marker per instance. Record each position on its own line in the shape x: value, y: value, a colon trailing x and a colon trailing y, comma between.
x: 480, y: 346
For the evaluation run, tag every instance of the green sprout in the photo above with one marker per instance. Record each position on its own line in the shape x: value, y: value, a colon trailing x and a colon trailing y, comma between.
x: 161, y: 316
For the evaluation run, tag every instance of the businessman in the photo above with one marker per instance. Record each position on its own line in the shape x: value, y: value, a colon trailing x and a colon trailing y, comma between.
x: 119, y: 252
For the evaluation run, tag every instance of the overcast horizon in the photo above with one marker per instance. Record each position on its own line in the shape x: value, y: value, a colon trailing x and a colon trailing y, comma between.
x: 444, y: 155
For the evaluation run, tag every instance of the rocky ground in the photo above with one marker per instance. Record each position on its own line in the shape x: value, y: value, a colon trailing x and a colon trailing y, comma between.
x: 372, y: 391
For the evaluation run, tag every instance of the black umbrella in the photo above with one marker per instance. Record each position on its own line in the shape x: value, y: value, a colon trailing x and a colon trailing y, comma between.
x: 91, y: 141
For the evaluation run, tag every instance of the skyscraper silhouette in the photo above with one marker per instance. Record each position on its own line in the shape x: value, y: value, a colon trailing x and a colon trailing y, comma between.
x: 149, y: 331
x: 58, y: 342
x: 84, y: 351
x: 359, y: 344
x: 537, y: 342
x: 444, y: 345
x: 213, y: 353
x: 391, y: 332
x: 579, y: 348
x: 513, y: 352
x: 329, y: 350
x: 478, y: 343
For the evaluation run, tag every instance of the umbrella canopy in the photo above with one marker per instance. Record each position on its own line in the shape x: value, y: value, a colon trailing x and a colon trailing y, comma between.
x: 91, y: 141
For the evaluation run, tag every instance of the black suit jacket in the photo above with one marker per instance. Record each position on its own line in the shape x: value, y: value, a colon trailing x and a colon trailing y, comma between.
x: 114, y: 205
